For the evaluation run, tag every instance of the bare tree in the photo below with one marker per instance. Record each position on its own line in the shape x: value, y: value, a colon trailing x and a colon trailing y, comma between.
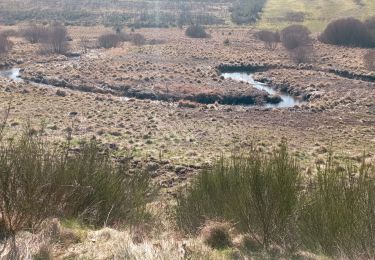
x: 270, y: 39
x: 34, y: 33
x: 56, y: 40
x: 5, y: 44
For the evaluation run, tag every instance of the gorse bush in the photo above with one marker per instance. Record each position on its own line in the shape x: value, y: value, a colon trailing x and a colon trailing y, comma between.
x: 338, y: 214
x: 258, y: 193
x: 295, y: 36
x: 196, y: 31
x: 38, y: 181
x: 266, y: 198
x: 348, y: 32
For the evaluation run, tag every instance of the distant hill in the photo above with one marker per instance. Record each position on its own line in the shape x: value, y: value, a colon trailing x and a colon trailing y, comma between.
x: 313, y: 13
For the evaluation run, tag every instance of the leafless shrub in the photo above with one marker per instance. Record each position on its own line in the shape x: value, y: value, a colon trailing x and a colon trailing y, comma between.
x: 369, y: 60
x: 56, y: 39
x: 34, y: 33
x: 138, y: 39
x: 109, y: 40
x: 5, y: 44
x: 302, y: 54
x: 270, y: 39
x: 295, y: 36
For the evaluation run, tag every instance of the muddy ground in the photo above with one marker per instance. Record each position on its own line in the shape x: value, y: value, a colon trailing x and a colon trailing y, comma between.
x: 168, y: 104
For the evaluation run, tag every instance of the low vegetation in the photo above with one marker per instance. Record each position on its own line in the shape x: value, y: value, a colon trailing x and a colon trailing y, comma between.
x: 369, y: 60
x: 266, y: 198
x: 349, y: 32
x: 38, y: 181
x: 109, y: 40
x: 246, y: 11
x: 196, y: 31
x: 53, y: 38
x: 5, y: 44
x: 34, y: 33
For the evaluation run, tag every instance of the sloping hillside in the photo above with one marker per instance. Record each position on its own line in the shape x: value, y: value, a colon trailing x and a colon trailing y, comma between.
x: 313, y: 13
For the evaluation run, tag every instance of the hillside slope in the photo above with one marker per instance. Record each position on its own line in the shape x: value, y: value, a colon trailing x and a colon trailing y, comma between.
x: 313, y: 13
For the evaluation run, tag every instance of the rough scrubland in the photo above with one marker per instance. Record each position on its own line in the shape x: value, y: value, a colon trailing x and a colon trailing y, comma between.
x: 119, y: 142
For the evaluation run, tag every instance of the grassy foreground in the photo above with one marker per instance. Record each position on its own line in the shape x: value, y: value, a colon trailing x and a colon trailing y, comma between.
x: 268, y: 199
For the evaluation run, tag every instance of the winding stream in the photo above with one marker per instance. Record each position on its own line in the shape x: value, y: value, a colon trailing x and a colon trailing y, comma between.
x: 286, y: 100
x: 11, y: 74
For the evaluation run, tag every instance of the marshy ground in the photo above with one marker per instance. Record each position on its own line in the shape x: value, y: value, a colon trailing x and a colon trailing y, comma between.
x: 164, y: 101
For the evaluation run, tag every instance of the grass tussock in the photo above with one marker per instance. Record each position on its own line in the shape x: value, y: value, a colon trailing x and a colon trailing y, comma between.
x: 38, y: 181
x: 268, y: 200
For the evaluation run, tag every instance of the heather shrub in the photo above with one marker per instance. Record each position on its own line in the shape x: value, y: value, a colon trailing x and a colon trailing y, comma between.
x: 196, y: 31
x: 216, y: 234
x: 295, y: 36
x: 347, y: 32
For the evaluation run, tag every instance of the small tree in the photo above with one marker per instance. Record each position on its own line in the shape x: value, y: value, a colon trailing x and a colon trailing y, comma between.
x: 295, y: 36
x: 34, y: 33
x: 270, y: 39
x: 303, y: 54
x: 56, y: 39
x: 5, y: 44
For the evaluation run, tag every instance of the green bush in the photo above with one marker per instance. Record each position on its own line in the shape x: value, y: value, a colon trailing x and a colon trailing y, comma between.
x: 338, y: 214
x: 38, y: 181
x: 257, y: 192
x: 266, y: 198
